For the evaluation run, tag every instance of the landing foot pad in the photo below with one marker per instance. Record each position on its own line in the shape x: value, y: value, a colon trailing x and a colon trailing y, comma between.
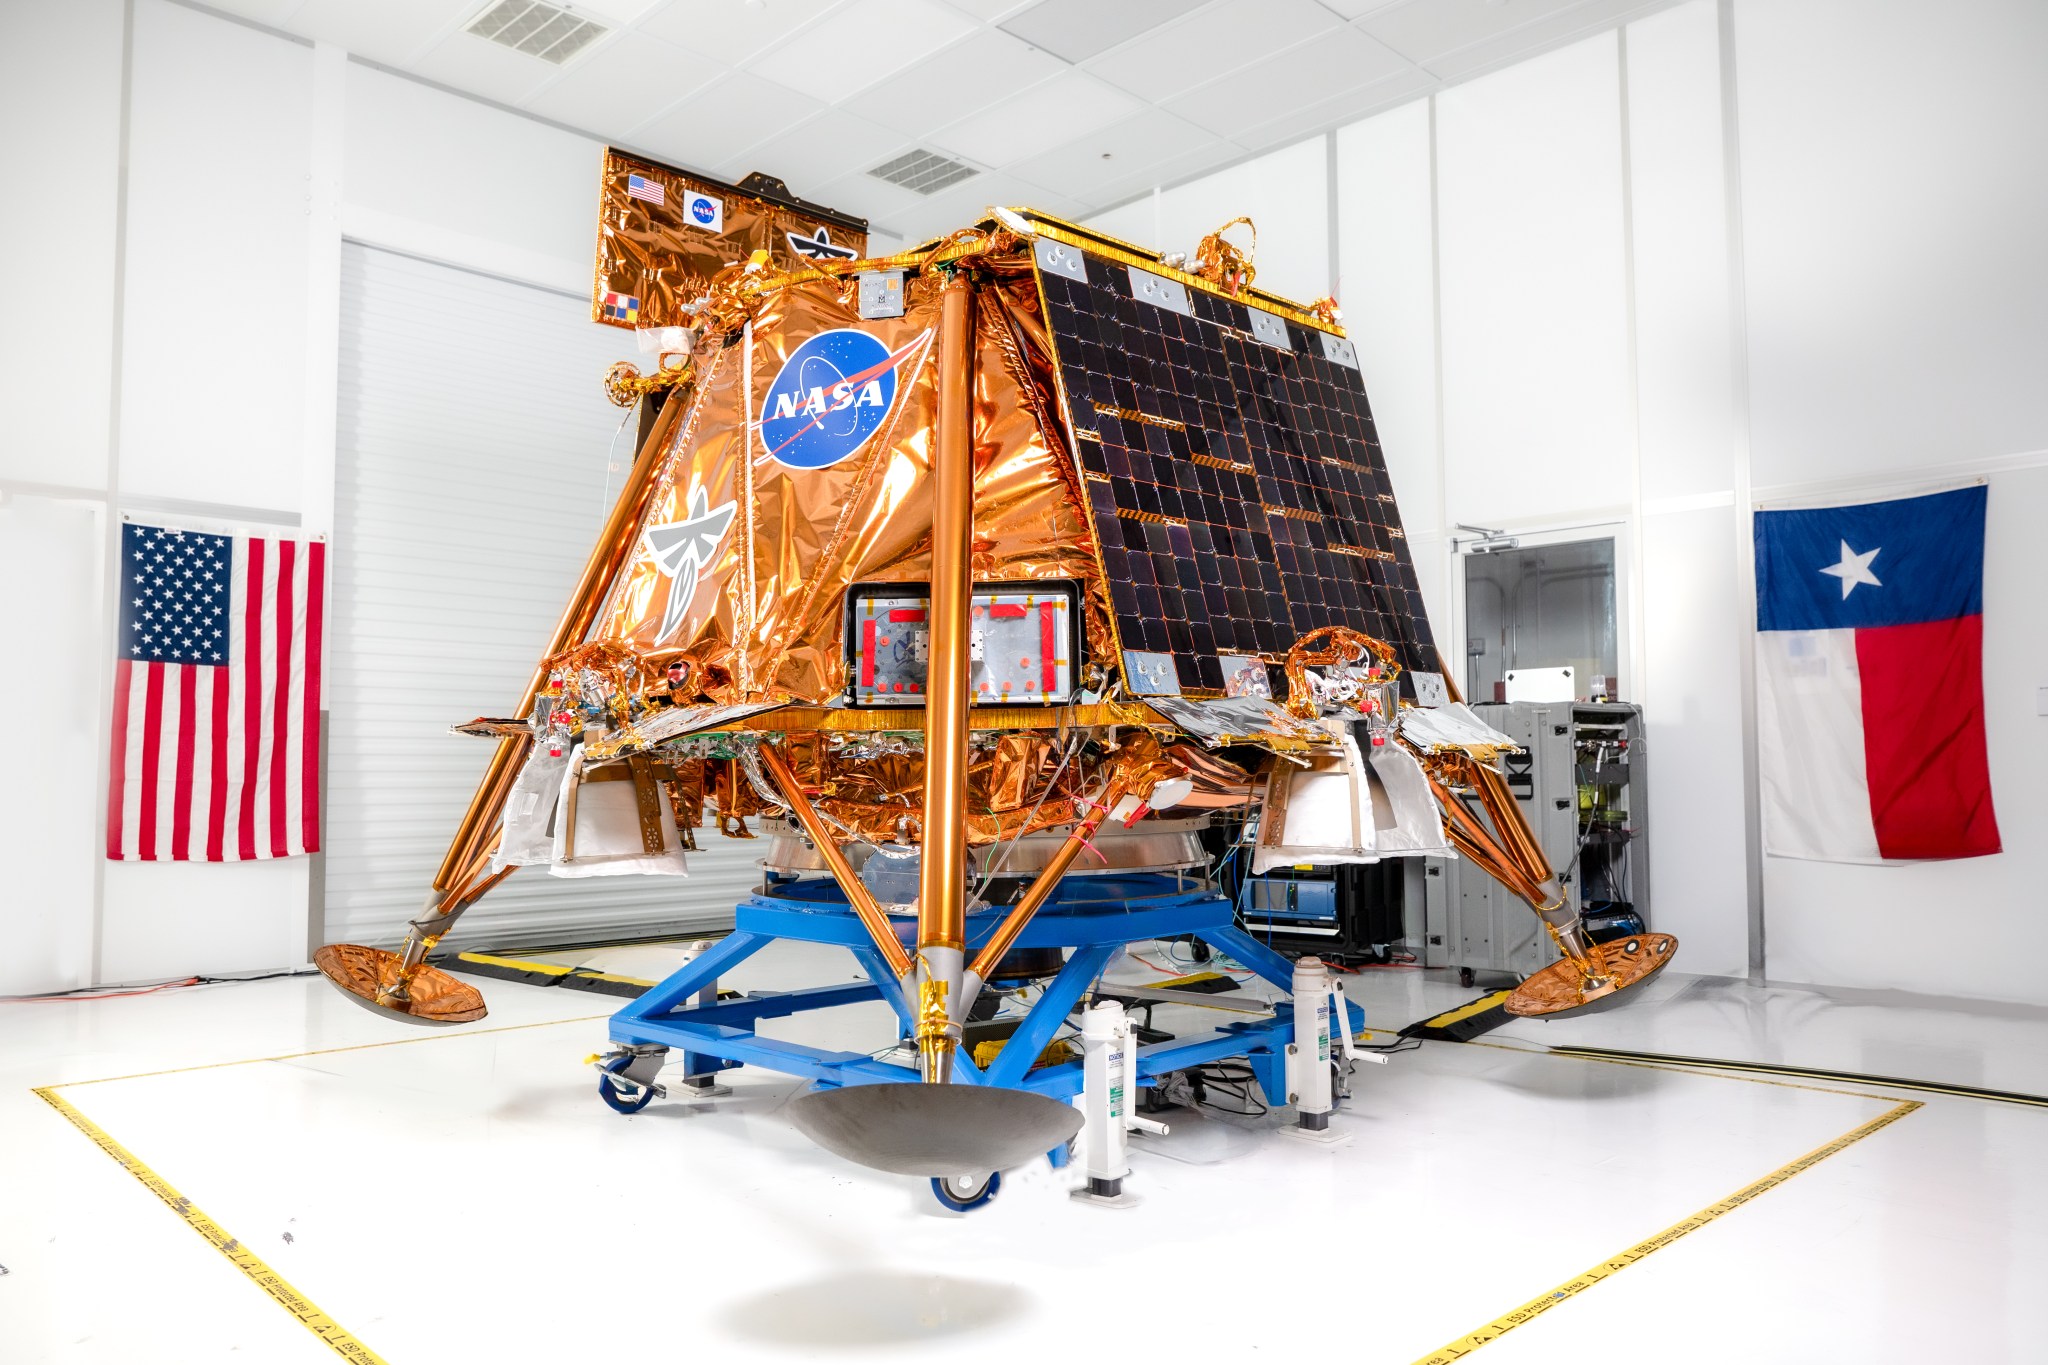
x: 361, y: 974
x: 1557, y: 988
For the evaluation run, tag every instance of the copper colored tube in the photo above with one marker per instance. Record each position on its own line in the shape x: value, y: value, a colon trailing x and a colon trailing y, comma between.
x: 942, y: 878
x: 611, y: 550
x: 857, y: 894
x: 1476, y: 842
x: 1042, y: 886
x: 1508, y: 823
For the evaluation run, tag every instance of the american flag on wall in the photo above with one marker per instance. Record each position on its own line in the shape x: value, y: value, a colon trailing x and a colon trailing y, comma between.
x: 216, y: 749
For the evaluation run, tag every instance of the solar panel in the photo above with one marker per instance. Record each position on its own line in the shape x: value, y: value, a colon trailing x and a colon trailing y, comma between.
x: 1229, y: 458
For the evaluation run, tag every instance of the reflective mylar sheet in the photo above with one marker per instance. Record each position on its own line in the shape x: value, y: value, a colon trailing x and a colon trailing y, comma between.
x: 662, y: 235
x: 803, y: 467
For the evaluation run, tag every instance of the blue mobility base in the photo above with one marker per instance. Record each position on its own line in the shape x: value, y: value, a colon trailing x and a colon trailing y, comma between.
x: 1093, y: 916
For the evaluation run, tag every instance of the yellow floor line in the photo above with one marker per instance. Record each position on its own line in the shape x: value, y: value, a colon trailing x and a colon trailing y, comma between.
x: 331, y: 1333
x: 438, y: 1035
x: 1614, y: 1265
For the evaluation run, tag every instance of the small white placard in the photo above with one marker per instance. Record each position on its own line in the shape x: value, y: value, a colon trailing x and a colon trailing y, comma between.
x: 1540, y: 684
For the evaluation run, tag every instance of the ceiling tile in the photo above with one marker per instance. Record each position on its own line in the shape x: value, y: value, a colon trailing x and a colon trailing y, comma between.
x: 1218, y: 40
x: 816, y: 153
x: 989, y: 10
x: 1340, y: 61
x: 1043, y: 117
x: 1424, y: 30
x: 1182, y: 165
x: 1354, y: 9
x: 731, y: 30
x: 617, y: 13
x: 479, y: 66
x: 1347, y: 106
x: 1537, y: 35
x: 968, y: 76
x: 271, y: 12
x: 856, y: 46
x: 622, y: 82
x: 389, y: 31
x: 1078, y: 29
x: 878, y: 201
x: 1081, y: 169
x: 717, y: 124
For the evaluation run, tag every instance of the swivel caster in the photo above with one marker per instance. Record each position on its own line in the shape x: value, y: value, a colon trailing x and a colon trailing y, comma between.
x: 965, y: 1193
x: 625, y: 1095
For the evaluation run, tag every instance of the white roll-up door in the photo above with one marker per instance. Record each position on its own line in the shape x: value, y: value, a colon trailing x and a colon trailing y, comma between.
x: 471, y: 482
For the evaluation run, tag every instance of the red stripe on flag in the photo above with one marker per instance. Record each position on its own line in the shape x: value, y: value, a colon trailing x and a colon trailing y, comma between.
x: 181, y: 795
x: 281, y: 701
x: 1923, y: 738
x: 309, y: 769
x: 117, y: 776
x: 217, y: 791
x: 152, y: 747
x: 252, y: 698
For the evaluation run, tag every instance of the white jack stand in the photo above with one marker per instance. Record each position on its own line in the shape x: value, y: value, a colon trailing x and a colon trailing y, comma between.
x: 1109, y: 1044
x: 1311, y: 1078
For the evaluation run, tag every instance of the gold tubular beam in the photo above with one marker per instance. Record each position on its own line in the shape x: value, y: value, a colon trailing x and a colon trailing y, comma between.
x: 942, y: 877
x: 857, y: 893
x: 611, y: 550
x: 1042, y: 886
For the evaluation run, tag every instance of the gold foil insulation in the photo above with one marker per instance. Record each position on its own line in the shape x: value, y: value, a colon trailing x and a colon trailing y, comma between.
x: 659, y: 245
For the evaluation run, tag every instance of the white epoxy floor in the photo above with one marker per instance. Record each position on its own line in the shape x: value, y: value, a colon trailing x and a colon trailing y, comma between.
x: 461, y: 1194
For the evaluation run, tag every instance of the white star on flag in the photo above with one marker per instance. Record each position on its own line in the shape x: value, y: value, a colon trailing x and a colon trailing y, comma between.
x: 1854, y: 569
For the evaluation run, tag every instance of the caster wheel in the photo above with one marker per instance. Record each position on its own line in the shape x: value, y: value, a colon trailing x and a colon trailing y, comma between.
x: 1464, y: 976
x: 627, y: 1098
x: 963, y: 1194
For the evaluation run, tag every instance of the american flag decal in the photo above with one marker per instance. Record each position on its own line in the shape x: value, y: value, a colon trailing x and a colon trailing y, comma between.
x: 216, y: 745
x: 640, y: 187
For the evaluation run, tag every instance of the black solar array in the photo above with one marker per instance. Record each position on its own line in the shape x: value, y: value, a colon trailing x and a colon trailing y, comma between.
x: 1238, y: 489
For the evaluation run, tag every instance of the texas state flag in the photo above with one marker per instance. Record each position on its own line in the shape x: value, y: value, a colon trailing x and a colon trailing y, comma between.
x: 1870, y: 680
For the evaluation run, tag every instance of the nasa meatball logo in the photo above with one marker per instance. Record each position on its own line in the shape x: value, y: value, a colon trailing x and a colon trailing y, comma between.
x: 830, y: 397
x: 701, y: 210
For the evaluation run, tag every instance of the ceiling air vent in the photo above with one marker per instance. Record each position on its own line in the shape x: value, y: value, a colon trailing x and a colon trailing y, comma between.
x: 544, y: 31
x: 925, y: 172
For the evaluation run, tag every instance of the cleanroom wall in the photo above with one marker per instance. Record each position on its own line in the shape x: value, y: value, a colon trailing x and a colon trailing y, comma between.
x: 1643, y: 281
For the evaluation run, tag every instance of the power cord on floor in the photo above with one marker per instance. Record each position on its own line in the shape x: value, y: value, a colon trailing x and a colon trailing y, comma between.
x: 95, y: 993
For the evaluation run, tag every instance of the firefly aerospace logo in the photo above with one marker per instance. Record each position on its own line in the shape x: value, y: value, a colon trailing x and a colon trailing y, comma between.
x: 830, y: 397
x: 819, y: 246
x: 682, y: 549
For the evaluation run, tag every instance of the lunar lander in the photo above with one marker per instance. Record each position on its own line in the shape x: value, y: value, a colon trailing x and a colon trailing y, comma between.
x: 978, y: 581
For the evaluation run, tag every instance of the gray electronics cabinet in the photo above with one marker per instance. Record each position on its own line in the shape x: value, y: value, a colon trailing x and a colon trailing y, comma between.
x: 1581, y: 782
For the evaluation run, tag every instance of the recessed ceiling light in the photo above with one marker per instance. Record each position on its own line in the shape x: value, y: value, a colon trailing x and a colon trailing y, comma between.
x: 541, y: 30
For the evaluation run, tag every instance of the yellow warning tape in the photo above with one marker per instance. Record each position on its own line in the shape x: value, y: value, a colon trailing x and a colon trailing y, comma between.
x: 248, y: 1262
x: 516, y: 964
x: 1479, y: 1006
x: 1614, y: 1265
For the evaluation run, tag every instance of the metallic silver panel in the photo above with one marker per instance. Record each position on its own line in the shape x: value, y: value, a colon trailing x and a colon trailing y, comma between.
x: 1339, y: 350
x: 1057, y: 258
x: 1151, y: 675
x: 1161, y: 292
x: 1270, y: 328
x: 1152, y: 845
x: 881, y: 293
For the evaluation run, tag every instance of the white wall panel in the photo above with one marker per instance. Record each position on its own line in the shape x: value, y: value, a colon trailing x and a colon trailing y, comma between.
x: 466, y: 169
x: 52, y: 643
x: 1385, y: 288
x: 1894, y: 213
x: 60, y: 168
x: 1693, y: 725
x: 213, y: 353
x: 1533, y: 308
x: 1684, y: 351
x: 1285, y: 192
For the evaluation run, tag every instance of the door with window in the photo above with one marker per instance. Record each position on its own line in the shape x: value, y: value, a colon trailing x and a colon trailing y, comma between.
x: 1543, y: 601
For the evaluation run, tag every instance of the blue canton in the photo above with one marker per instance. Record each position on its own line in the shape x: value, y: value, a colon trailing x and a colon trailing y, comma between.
x: 176, y: 587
